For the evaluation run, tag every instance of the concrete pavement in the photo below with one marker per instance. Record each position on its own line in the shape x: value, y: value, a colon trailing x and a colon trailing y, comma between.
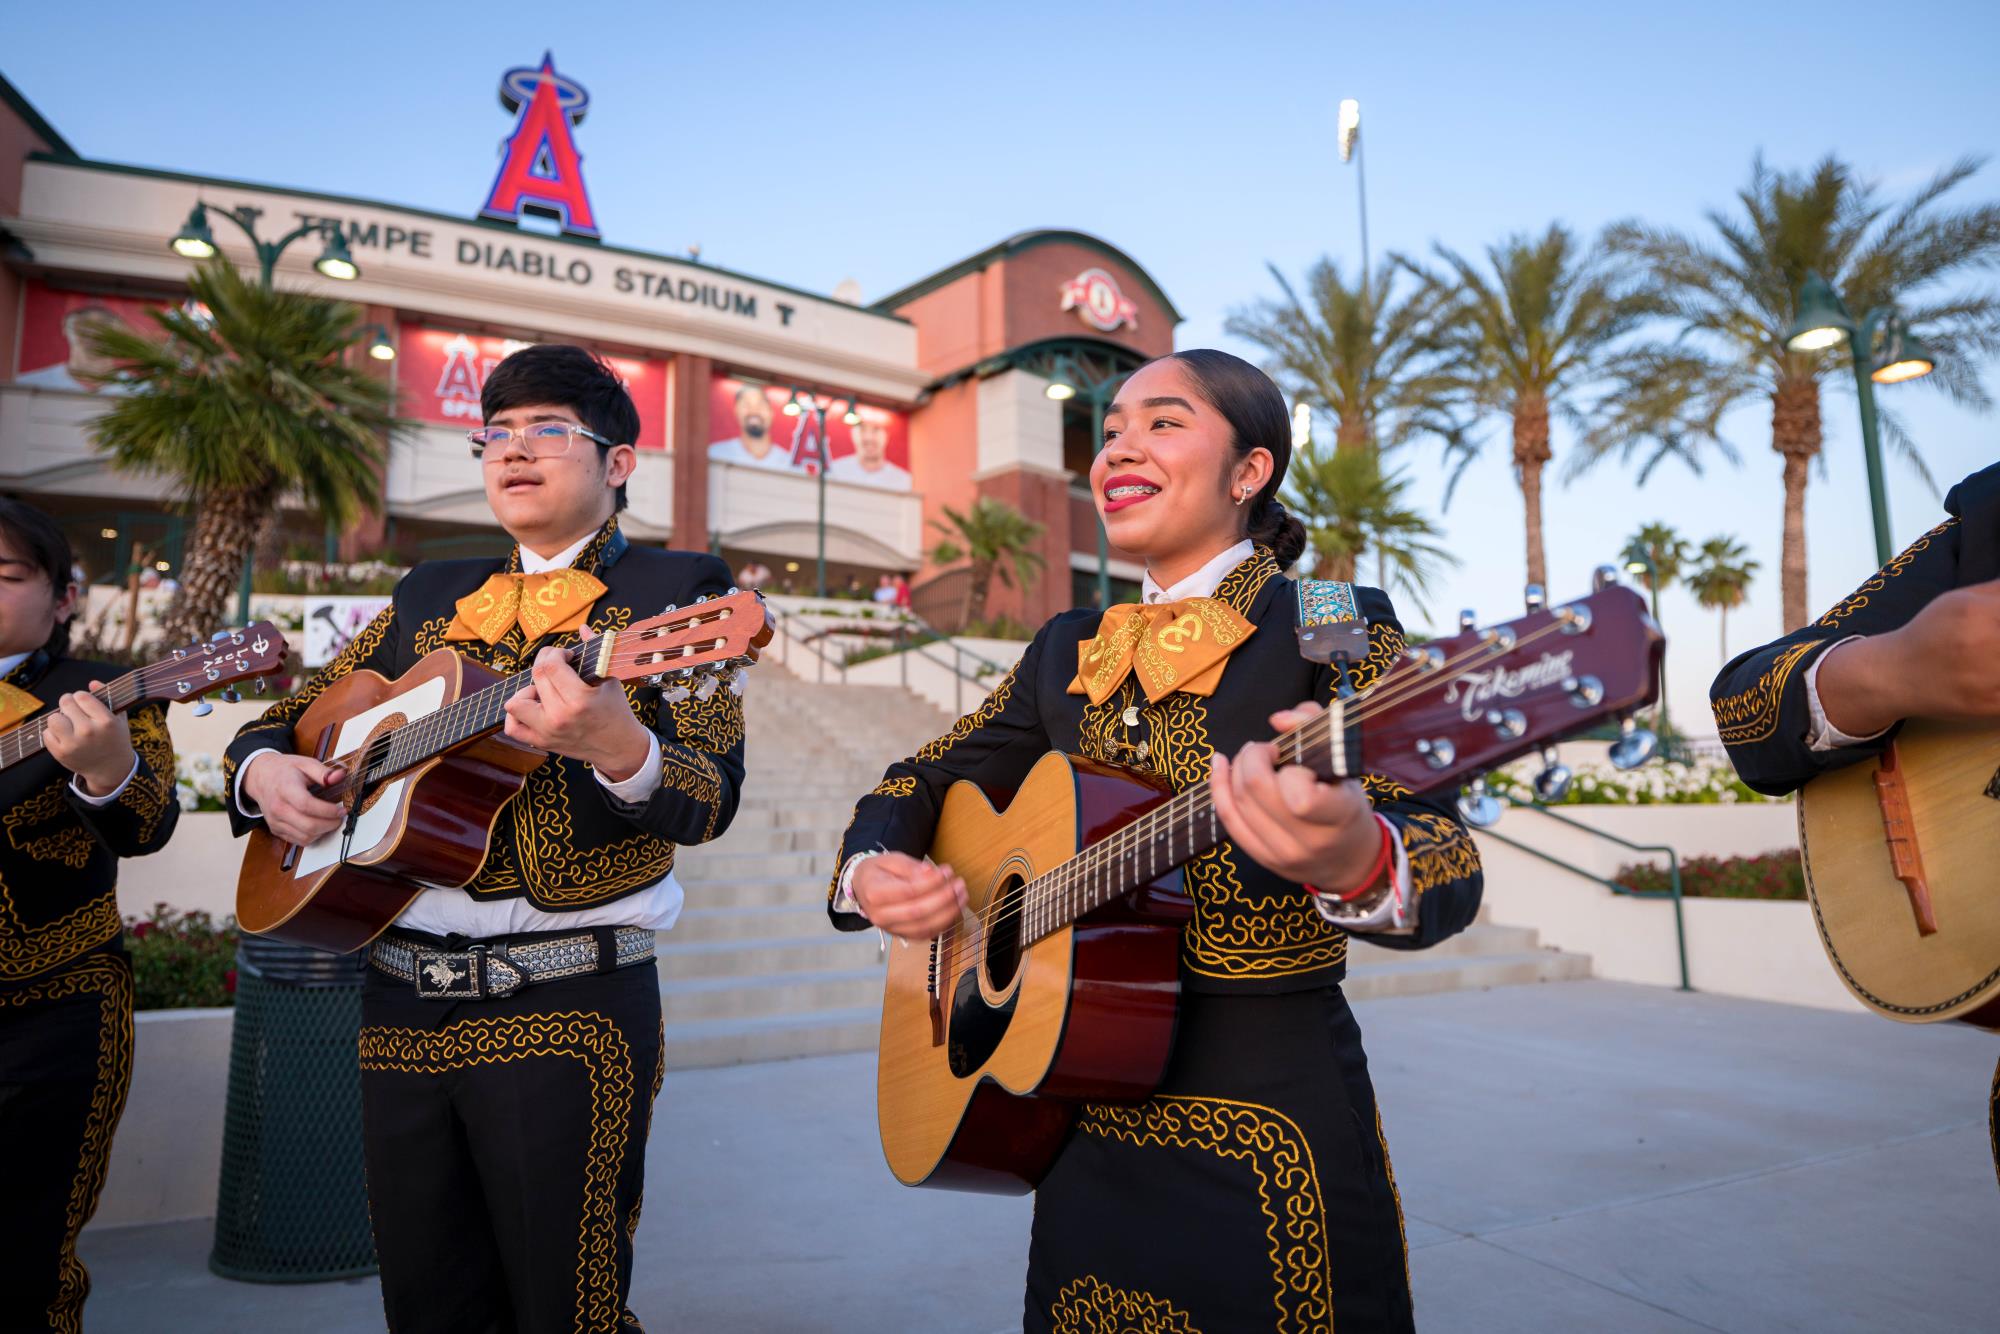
x: 1575, y: 1156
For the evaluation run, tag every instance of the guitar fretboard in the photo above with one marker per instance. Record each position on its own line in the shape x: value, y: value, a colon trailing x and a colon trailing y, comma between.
x: 28, y: 738
x: 479, y: 714
x: 1170, y: 835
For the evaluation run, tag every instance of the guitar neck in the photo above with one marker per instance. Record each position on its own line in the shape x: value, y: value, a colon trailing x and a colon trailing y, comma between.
x: 1171, y: 834
x: 29, y: 738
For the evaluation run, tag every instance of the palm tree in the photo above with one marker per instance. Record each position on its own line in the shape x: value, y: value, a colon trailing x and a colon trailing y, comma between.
x: 1735, y: 297
x: 1722, y: 581
x: 1356, y: 353
x: 246, y: 398
x: 1662, y: 547
x: 1527, y: 341
x: 1350, y: 505
x: 996, y: 538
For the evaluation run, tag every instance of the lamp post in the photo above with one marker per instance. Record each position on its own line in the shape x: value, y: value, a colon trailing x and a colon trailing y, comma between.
x: 1823, y: 322
x: 195, y: 241
x: 1066, y: 383
x: 803, y: 401
x: 1350, y: 149
x: 1642, y: 562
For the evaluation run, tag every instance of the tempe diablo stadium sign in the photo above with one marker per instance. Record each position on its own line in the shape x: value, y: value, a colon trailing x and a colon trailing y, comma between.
x: 1096, y: 298
x: 540, y: 170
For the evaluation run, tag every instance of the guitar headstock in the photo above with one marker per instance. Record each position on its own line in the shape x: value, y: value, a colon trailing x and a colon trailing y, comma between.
x: 687, y: 650
x: 225, y: 661
x: 1456, y: 708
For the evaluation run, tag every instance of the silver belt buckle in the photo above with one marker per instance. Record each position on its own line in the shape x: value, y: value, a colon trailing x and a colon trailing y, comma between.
x: 447, y: 974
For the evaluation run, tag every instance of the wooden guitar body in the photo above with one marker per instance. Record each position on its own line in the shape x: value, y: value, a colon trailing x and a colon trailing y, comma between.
x: 979, y: 1071
x: 1927, y: 947
x: 428, y: 827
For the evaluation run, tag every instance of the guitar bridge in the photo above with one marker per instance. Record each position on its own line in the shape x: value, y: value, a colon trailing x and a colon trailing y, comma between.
x: 934, y: 985
x: 1906, y: 858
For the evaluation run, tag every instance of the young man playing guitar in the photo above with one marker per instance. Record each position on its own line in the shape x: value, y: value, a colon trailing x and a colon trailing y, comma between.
x: 1919, y: 639
x: 101, y: 788
x: 505, y: 1111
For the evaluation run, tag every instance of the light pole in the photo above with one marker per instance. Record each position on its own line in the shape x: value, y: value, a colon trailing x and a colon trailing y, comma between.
x: 1823, y: 322
x: 1350, y: 149
x: 1066, y: 383
x: 195, y: 241
x: 802, y: 401
x: 1641, y: 562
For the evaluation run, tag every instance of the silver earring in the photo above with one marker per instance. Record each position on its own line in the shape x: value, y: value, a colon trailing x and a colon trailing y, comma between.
x: 1241, y: 498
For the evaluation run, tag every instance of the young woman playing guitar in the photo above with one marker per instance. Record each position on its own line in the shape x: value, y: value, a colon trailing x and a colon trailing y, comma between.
x: 1253, y: 1191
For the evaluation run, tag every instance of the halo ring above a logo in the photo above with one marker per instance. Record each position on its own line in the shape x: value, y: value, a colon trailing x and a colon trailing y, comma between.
x: 518, y: 85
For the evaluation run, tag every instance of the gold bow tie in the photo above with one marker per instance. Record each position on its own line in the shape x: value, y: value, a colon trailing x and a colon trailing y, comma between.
x: 15, y: 704
x: 547, y: 603
x: 1171, y: 646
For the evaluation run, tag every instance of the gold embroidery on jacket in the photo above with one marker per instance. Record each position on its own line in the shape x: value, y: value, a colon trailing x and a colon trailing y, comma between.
x: 1878, y: 581
x: 1752, y: 715
x: 1088, y: 1306
x: 1287, y: 1185
x: 594, y: 1041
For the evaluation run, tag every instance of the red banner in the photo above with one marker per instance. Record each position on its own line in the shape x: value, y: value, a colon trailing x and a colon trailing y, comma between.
x: 747, y: 426
x: 54, y: 329
x: 439, y: 373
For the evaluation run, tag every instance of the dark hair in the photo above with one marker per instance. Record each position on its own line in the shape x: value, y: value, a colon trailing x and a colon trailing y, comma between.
x: 40, y: 541
x: 565, y: 376
x: 1255, y: 411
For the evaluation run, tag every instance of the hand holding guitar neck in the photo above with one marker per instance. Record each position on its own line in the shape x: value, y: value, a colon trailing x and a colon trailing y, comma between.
x: 1284, y: 818
x: 1937, y: 666
x: 90, y: 741
x: 566, y: 715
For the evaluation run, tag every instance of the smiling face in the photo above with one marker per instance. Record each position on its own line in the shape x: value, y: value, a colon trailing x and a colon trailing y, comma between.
x: 753, y: 420
x: 546, y: 504
x: 29, y: 604
x: 1168, y: 477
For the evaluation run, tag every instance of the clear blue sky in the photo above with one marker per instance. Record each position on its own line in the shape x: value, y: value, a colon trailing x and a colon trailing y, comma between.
x: 807, y: 144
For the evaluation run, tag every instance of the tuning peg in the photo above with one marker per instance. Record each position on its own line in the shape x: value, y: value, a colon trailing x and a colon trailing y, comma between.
x: 733, y: 591
x: 1605, y: 576
x: 1586, y: 692
x: 1479, y: 808
x: 736, y: 680
x: 262, y: 685
x: 1467, y: 619
x: 675, y: 694
x: 670, y: 609
x: 218, y: 636
x: 202, y: 708
x: 1535, y: 596
x: 1509, y: 723
x: 1552, y: 783
x: 1634, y: 746
x: 709, y: 685
x: 1438, y: 752
x: 702, y: 598
x: 231, y: 695
x: 1575, y: 618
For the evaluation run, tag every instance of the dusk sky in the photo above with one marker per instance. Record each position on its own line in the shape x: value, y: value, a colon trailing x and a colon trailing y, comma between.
x: 809, y: 144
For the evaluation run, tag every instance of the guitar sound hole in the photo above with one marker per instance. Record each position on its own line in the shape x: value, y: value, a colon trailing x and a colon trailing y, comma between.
x: 1002, y: 920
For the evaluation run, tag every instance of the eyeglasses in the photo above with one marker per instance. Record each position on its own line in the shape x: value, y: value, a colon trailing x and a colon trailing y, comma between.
x: 543, y: 440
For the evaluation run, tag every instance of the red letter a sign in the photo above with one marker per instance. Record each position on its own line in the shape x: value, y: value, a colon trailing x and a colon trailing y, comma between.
x: 540, y: 170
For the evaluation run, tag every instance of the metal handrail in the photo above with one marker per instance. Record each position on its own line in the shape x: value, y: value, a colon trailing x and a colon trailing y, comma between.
x: 790, y: 623
x: 784, y: 621
x: 1673, y: 868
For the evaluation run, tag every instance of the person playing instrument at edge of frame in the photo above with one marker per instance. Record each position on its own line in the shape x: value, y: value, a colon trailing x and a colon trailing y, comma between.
x: 1253, y: 1190
x: 101, y: 789
x: 505, y: 1136
x: 1918, y: 639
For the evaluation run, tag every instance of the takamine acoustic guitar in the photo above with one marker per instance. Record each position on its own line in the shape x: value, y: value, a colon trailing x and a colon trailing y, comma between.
x: 426, y: 770
x: 1906, y: 902
x: 1060, y: 982
x: 221, y: 664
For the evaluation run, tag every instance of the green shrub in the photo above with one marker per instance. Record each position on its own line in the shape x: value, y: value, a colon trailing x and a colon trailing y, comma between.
x: 181, y: 960
x: 1772, y: 875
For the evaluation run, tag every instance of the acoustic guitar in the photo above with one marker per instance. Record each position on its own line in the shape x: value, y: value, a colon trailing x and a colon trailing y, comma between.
x: 1060, y: 983
x: 426, y: 769
x: 227, y: 660
x: 1895, y: 855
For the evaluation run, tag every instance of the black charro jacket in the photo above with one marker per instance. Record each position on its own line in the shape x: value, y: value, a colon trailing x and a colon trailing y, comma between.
x: 564, y: 843
x: 59, y: 856
x: 1760, y: 696
x: 1251, y: 931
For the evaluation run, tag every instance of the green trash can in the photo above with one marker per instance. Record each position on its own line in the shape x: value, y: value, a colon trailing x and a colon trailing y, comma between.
x: 293, y: 1204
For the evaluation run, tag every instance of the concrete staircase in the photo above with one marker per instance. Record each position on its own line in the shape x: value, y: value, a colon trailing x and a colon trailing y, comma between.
x: 753, y: 972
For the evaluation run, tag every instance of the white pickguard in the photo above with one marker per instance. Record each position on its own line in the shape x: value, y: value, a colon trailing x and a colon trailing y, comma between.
x: 379, y: 821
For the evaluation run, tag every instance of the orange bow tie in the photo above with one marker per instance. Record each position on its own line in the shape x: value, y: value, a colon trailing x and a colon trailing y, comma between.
x: 1171, y: 646
x: 15, y: 704
x: 547, y: 603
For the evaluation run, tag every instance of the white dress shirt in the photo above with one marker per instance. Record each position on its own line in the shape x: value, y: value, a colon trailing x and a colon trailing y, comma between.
x: 1823, y: 735
x: 7, y: 666
x: 1201, y: 584
x: 446, y: 912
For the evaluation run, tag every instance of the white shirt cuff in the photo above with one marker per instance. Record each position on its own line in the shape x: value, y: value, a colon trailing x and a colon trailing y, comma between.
x: 76, y: 786
x: 1823, y: 735
x: 246, y: 808
x: 640, y: 787
x: 843, y: 891
x: 1393, y: 913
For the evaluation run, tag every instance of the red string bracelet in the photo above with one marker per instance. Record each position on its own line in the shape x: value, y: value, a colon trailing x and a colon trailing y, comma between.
x: 1374, y: 872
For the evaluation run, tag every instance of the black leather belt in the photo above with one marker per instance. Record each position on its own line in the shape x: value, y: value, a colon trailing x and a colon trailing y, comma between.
x: 490, y: 969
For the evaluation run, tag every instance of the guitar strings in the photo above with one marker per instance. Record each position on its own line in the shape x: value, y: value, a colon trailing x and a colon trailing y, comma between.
x: 1396, y: 688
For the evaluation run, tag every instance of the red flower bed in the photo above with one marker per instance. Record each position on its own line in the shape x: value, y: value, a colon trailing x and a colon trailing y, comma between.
x: 1771, y: 875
